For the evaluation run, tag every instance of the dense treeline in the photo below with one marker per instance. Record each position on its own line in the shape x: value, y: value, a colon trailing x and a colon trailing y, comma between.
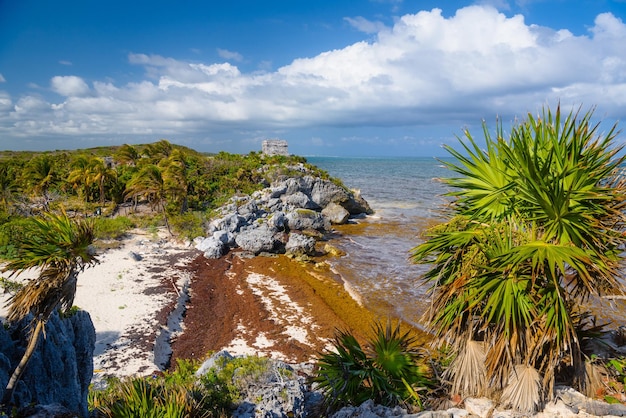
x: 180, y: 185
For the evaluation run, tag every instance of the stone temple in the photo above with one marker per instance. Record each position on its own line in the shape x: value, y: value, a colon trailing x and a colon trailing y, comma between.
x: 275, y: 147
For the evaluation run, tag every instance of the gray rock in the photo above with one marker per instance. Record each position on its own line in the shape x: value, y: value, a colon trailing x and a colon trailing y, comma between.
x: 135, y: 256
x: 45, y: 411
x: 369, y: 409
x: 257, y: 240
x: 277, y: 221
x: 302, y: 219
x: 336, y: 214
x: 230, y: 223
x: 300, y: 200
x: 212, y: 362
x: 212, y: 247
x: 228, y: 238
x: 299, y: 244
x: 61, y: 368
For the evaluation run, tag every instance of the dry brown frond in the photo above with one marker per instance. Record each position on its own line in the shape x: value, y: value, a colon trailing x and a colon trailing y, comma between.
x: 468, y: 372
x: 523, y: 392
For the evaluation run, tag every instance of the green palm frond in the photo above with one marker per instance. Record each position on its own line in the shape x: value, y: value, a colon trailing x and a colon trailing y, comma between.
x: 538, y: 226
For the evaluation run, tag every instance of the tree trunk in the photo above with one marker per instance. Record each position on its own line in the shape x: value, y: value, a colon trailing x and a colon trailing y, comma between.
x: 17, y: 373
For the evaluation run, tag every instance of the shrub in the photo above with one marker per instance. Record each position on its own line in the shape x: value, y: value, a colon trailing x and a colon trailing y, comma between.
x: 387, y: 370
x: 113, y: 228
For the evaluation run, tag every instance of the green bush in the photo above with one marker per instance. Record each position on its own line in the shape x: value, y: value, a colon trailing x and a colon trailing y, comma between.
x: 189, y: 225
x: 113, y: 228
x: 387, y: 370
x: 180, y: 393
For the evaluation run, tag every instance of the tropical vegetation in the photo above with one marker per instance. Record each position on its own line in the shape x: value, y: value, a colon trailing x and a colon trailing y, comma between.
x: 180, y: 393
x: 536, y: 227
x: 178, y: 185
x: 388, y: 369
x: 60, y: 248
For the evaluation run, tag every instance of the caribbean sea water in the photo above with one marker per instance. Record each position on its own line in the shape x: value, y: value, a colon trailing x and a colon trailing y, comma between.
x: 407, y: 198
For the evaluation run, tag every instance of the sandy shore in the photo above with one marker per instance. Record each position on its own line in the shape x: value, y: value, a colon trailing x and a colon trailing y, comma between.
x: 152, y: 297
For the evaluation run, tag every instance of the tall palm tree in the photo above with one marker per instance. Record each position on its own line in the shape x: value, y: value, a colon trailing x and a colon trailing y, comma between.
x: 149, y: 183
x: 41, y: 175
x: 537, y: 227
x: 101, y: 174
x: 175, y: 178
x: 127, y: 155
x: 8, y: 186
x: 60, y: 248
x: 78, y: 177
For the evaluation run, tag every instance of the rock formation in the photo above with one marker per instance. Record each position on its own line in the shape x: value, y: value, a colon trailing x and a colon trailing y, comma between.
x: 282, y: 218
x: 61, y: 368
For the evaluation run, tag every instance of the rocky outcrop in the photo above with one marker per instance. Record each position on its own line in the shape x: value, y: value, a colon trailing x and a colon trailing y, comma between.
x: 277, y: 392
x: 273, y: 219
x: 61, y: 368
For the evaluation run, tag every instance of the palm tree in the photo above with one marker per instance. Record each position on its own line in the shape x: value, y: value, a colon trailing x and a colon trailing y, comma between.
x: 536, y: 229
x: 175, y: 178
x: 149, y: 182
x: 41, y: 175
x: 7, y: 186
x: 60, y: 248
x: 127, y: 155
x: 101, y: 174
x: 78, y: 177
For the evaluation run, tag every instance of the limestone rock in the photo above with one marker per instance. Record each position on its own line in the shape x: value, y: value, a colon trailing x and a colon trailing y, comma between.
x: 299, y: 244
x: 60, y: 370
x: 258, y: 240
x: 336, y: 214
x: 306, y: 219
x: 212, y: 247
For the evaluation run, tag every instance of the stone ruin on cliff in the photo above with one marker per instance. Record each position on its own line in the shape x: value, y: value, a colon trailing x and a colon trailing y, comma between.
x: 275, y: 147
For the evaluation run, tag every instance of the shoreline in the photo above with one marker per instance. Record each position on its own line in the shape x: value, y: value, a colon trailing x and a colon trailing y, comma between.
x: 154, y: 300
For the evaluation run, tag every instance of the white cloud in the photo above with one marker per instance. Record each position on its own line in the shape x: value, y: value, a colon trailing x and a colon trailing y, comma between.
x: 230, y: 55
x: 2, y: 79
x: 426, y: 69
x: 364, y: 25
x: 69, y: 86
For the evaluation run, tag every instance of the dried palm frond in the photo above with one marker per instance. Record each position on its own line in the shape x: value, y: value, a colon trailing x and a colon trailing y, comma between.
x: 523, y: 392
x: 468, y: 372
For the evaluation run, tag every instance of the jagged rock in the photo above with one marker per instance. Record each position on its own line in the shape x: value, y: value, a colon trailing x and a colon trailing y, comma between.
x: 576, y: 401
x: 336, y: 214
x: 300, y: 200
x: 301, y: 219
x: 369, y: 409
x: 277, y: 393
x: 212, y: 362
x: 212, y: 247
x: 481, y: 407
x: 257, y: 240
x: 324, y: 192
x: 299, y: 244
x: 46, y: 411
x: 60, y: 370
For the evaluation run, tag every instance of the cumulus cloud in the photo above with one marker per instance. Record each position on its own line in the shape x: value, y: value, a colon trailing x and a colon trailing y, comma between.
x: 425, y: 69
x: 69, y: 86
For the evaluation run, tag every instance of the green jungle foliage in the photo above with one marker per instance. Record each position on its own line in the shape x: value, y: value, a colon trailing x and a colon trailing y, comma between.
x: 176, y: 183
x: 538, y: 225
x: 388, y: 369
x: 180, y: 393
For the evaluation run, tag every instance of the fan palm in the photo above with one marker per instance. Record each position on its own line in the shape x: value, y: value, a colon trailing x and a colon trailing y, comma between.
x: 60, y: 248
x: 537, y: 228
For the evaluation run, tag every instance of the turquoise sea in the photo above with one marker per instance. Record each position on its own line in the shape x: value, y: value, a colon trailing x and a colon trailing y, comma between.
x: 407, y: 198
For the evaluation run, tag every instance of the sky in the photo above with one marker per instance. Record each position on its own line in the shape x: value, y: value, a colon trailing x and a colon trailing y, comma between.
x: 332, y: 77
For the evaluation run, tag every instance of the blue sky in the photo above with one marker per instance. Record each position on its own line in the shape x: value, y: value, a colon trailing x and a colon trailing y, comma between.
x: 340, y: 77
